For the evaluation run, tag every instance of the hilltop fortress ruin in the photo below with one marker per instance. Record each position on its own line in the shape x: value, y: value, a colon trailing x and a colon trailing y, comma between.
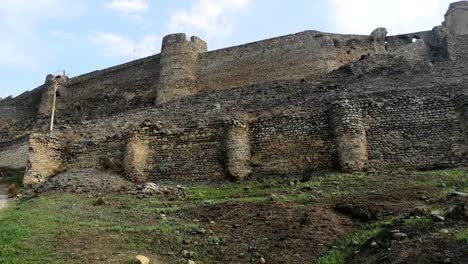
x: 308, y: 101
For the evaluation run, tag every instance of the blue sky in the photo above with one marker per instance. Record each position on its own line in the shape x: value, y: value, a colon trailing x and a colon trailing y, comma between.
x: 39, y: 37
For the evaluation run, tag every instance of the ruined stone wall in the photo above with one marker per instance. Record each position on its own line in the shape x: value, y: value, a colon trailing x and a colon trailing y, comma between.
x: 195, y: 154
x: 18, y: 115
x: 103, y: 153
x: 420, y: 129
x: 392, y: 105
x: 45, y: 158
x: 291, y: 143
x: 420, y: 132
x: 14, y: 154
x: 136, y: 157
x: 109, y: 91
x: 185, y: 68
x: 394, y: 43
x: 461, y: 103
x: 292, y: 57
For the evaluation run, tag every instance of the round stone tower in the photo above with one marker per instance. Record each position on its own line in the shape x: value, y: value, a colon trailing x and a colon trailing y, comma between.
x: 179, y: 64
x: 456, y: 18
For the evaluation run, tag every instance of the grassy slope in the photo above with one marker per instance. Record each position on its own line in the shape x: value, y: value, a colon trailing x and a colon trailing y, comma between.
x: 69, y: 228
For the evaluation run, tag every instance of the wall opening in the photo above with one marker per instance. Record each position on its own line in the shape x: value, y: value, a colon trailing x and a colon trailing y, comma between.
x: 415, y: 38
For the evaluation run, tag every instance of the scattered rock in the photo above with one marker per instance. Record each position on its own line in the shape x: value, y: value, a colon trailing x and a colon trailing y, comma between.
x: 420, y: 211
x: 273, y: 197
x: 373, y: 244
x: 188, y: 254
x: 81, y: 181
x: 191, y: 262
x: 423, y: 197
x: 436, y: 215
x: 360, y: 212
x: 163, y: 217
x: 12, y: 191
x: 100, y: 201
x: 460, y: 212
x: 262, y: 260
x: 151, y: 188
x: 399, y: 235
x: 444, y: 231
x: 459, y: 194
x: 442, y: 185
x: 142, y: 260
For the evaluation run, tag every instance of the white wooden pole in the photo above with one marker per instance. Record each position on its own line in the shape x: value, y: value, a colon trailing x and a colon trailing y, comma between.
x: 53, y: 107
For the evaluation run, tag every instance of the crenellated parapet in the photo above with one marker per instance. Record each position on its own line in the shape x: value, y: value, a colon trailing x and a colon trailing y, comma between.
x: 178, y: 67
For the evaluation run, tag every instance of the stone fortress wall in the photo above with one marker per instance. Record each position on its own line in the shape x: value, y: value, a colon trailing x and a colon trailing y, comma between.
x: 308, y: 101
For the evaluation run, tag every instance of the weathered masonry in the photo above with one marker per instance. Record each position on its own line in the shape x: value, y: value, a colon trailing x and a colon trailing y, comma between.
x: 303, y: 102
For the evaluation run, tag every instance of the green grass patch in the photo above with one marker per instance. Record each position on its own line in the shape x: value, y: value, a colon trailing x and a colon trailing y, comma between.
x: 462, y: 235
x: 36, y: 231
x: 418, y: 220
x: 26, y: 231
x: 347, y: 247
x: 30, y: 232
x: 288, y: 190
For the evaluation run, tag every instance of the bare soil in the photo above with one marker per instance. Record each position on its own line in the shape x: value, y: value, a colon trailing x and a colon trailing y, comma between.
x: 246, y: 223
x: 279, y: 232
x: 426, y: 243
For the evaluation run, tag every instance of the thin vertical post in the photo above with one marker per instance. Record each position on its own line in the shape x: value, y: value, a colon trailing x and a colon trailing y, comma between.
x: 53, y: 107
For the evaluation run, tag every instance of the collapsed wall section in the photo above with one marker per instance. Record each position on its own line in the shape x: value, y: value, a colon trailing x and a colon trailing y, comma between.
x: 44, y: 159
x: 136, y: 157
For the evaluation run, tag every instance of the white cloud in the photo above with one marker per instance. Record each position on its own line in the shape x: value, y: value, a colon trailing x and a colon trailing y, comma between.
x: 398, y: 16
x: 132, y: 9
x: 207, y: 18
x: 118, y: 47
